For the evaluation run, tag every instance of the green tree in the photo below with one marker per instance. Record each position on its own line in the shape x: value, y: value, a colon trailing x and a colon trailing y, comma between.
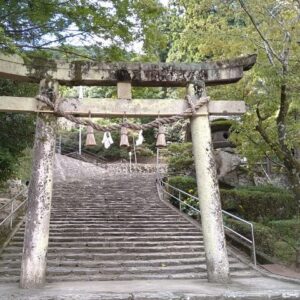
x: 55, y: 24
x: 224, y: 29
x: 98, y: 30
x: 16, y: 130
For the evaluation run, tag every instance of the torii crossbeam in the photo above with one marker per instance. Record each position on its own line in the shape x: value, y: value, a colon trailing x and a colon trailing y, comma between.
x: 139, y: 74
x: 52, y: 73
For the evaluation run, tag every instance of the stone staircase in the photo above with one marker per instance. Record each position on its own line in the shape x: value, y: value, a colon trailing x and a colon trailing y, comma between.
x: 116, y: 228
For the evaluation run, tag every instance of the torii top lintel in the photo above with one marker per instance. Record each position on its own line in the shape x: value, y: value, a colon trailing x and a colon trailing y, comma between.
x: 139, y: 74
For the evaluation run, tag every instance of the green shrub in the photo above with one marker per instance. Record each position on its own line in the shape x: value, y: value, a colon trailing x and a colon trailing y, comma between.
x: 259, y: 204
x: 265, y: 237
x: 16, y: 134
x: 288, y: 229
x: 144, y: 151
x: 278, y: 239
x: 267, y: 240
x: 180, y: 158
x: 284, y: 251
x: 265, y: 189
x: 185, y: 183
x: 25, y: 165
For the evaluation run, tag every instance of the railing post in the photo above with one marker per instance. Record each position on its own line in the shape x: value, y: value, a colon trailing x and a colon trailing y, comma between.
x: 35, y: 246
x: 209, y: 195
x: 59, y: 144
x: 130, y: 161
x: 11, y: 217
x: 179, y: 197
x: 253, y: 246
x: 79, y: 140
x: 157, y: 160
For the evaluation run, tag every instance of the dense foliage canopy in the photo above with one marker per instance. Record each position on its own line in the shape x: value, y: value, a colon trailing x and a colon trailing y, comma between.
x: 101, y: 26
x: 217, y: 29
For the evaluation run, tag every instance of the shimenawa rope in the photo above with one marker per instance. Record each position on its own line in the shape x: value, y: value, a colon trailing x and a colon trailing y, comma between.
x: 193, y: 107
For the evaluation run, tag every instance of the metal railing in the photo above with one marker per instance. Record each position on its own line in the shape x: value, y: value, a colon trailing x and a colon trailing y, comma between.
x: 162, y: 186
x: 13, y: 209
x: 71, y: 150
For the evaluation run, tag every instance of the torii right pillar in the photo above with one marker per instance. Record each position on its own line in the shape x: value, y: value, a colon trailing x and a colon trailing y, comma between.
x: 209, y: 195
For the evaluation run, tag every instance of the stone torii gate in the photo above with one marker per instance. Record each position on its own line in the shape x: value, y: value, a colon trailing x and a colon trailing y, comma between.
x: 52, y: 73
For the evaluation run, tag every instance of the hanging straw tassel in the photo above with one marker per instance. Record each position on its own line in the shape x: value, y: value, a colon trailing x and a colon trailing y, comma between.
x: 161, y: 137
x: 90, y: 138
x: 124, y: 137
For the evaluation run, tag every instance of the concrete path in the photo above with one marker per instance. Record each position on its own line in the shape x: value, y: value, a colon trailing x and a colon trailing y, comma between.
x: 282, y: 271
x: 246, y: 288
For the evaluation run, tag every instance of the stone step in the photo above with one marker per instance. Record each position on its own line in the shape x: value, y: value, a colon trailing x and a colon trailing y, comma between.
x: 109, y: 256
x: 116, y: 229
x: 86, y: 238
x: 132, y: 249
x: 100, y: 277
x: 121, y: 227
x: 119, y: 222
x: 119, y: 234
x: 108, y: 229
x: 119, y: 270
x: 113, y: 220
x: 122, y: 268
x: 79, y: 204
x: 112, y: 234
x: 114, y: 244
x: 155, y: 210
x: 58, y: 271
x: 104, y: 263
x: 114, y: 217
x: 132, y: 208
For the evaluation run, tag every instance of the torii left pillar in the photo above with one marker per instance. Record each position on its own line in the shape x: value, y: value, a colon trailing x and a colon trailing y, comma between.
x: 34, y: 259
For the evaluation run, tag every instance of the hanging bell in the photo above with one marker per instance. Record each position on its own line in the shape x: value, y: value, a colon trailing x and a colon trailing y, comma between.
x: 124, y: 137
x: 161, y: 137
x: 90, y: 138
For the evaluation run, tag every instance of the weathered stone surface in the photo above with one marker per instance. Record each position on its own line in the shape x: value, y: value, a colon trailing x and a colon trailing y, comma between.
x: 118, y: 168
x: 242, y: 289
x: 210, y: 205
x: 209, y: 198
x: 139, y: 74
x: 117, y: 107
x: 226, y: 162
x: 33, y: 268
x: 70, y: 169
x: 238, y: 177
